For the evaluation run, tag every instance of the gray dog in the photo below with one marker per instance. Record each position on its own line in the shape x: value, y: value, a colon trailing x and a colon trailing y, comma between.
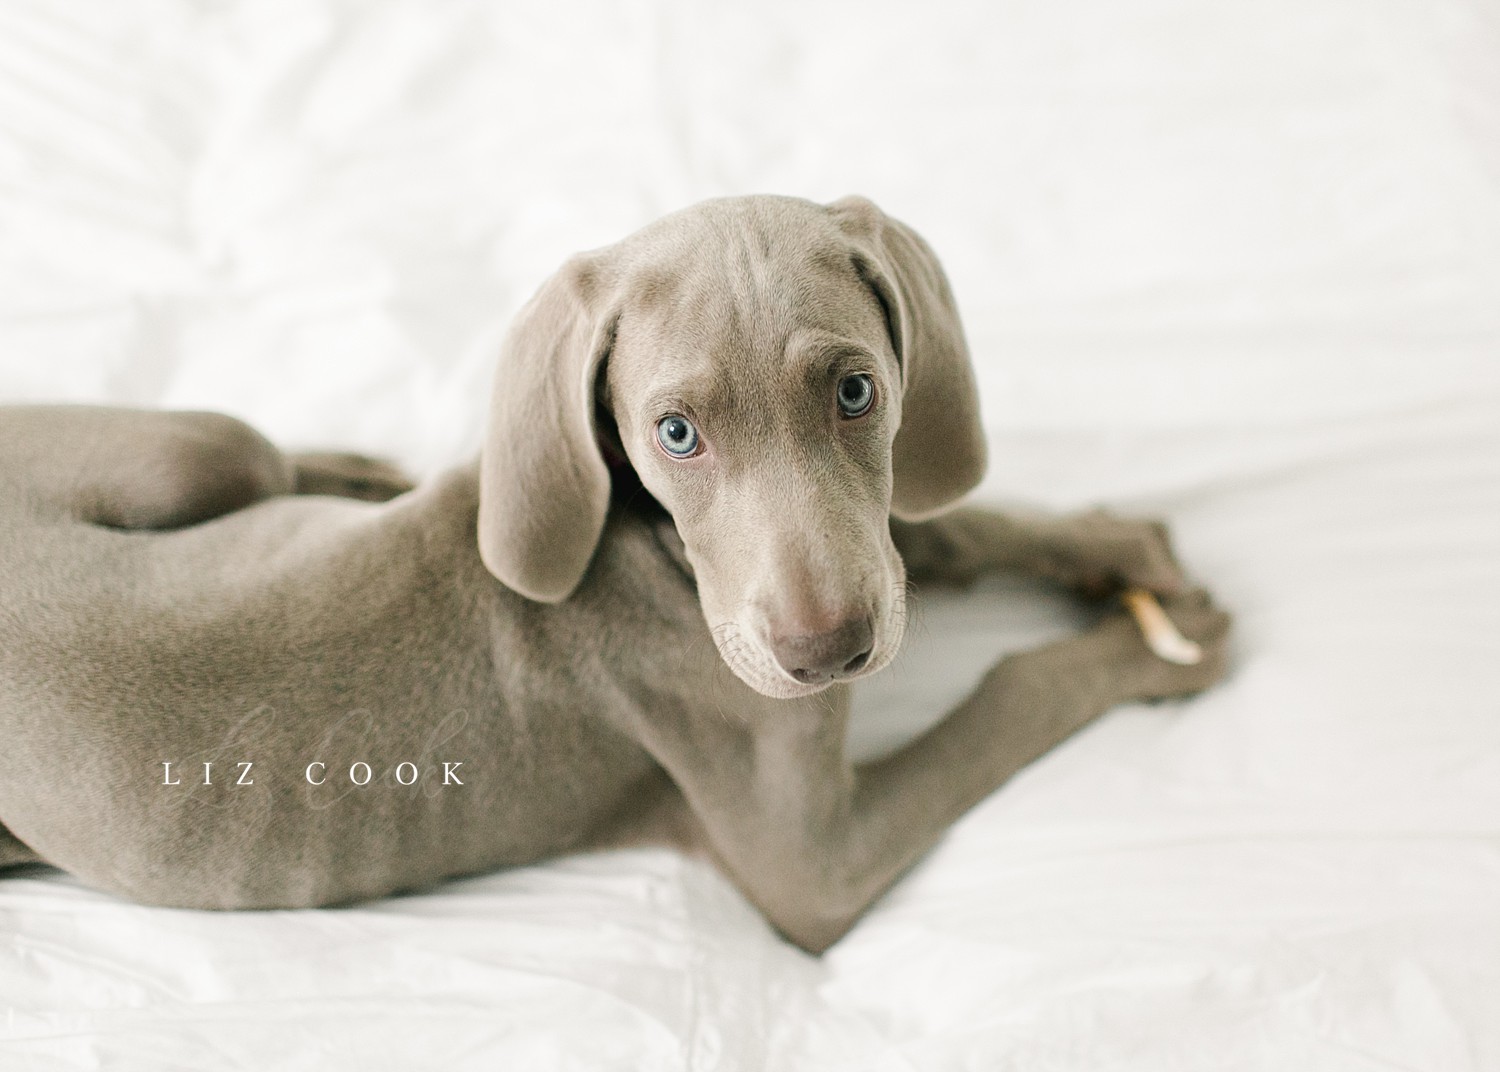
x: 225, y: 682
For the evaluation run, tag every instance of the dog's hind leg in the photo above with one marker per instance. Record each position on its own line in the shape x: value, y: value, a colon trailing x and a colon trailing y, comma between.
x: 349, y: 476
x: 135, y: 469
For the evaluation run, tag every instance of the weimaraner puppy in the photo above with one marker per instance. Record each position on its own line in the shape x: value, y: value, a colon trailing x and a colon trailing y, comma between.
x: 717, y: 456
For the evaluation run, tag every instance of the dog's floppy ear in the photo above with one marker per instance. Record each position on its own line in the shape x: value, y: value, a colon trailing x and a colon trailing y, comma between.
x: 543, y: 484
x: 939, y: 451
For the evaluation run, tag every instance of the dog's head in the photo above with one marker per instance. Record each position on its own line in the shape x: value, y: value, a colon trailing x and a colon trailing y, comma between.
x: 783, y: 377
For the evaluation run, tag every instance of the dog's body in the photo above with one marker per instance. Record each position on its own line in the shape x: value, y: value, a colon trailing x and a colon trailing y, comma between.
x: 170, y: 609
x: 179, y: 652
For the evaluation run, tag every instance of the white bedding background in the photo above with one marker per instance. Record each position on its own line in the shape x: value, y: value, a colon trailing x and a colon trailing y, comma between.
x: 1234, y: 262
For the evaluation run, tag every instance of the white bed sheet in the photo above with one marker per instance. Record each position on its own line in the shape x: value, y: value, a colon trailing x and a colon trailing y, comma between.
x: 1237, y: 263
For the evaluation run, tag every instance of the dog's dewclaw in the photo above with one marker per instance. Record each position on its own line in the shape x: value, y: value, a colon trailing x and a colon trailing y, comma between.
x: 1161, y: 635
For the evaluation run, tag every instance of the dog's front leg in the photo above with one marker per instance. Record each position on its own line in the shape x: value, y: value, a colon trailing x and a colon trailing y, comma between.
x: 1095, y: 552
x: 813, y: 840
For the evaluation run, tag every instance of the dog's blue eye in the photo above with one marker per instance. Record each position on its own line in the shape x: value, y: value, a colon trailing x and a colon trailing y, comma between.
x: 856, y: 395
x: 677, y: 436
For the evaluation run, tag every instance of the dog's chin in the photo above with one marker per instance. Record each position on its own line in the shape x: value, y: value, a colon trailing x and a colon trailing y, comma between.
x: 755, y: 666
x: 780, y: 687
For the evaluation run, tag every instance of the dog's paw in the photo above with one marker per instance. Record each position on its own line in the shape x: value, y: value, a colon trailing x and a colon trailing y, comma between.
x: 1135, y: 672
x: 1098, y: 552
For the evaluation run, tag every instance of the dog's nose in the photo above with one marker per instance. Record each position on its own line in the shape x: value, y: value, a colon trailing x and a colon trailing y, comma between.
x: 813, y: 658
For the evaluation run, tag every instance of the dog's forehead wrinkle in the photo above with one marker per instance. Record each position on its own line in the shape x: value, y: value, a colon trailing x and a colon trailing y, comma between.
x: 707, y: 355
x: 740, y: 251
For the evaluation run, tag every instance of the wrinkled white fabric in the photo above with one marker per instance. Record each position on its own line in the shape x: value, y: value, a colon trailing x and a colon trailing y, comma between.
x: 1236, y: 263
